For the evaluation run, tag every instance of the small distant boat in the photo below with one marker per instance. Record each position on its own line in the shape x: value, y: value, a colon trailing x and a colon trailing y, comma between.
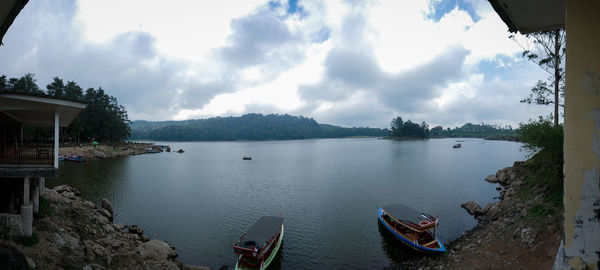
x: 458, y: 145
x: 75, y: 158
x: 101, y: 155
x: 247, y: 158
x: 257, y: 248
x: 180, y: 151
x: 61, y: 158
x: 416, y: 230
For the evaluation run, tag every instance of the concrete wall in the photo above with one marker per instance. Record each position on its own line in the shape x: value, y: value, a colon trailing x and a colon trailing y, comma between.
x: 10, y: 223
x: 581, y: 244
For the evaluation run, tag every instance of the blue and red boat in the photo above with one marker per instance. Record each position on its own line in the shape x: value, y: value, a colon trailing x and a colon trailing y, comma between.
x: 416, y: 230
x: 75, y: 158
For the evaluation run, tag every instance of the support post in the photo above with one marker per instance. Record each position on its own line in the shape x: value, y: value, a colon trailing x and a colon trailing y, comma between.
x: 26, y: 210
x: 36, y: 195
x: 56, y: 139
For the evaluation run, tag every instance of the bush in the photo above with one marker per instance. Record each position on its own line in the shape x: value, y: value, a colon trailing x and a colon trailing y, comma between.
x: 542, y: 134
x: 547, y: 164
x: 27, y: 240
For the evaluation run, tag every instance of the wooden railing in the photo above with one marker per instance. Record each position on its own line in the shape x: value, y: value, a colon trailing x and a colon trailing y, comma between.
x: 27, y: 154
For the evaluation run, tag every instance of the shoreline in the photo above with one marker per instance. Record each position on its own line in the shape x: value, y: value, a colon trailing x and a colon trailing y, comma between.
x: 509, y: 233
x: 105, y: 150
x: 70, y: 232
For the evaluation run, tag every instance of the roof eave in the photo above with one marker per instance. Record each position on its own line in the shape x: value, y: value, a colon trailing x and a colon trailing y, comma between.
x: 15, y: 10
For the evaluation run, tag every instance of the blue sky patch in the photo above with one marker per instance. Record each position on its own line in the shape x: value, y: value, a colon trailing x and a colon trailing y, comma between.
x: 441, y: 8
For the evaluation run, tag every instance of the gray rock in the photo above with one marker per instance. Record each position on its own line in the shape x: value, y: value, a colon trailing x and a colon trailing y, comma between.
x: 101, y: 219
x: 107, y: 205
x: 498, y: 188
x: 107, y: 214
x: 93, y: 266
x: 135, y: 229
x: 527, y: 237
x: 156, y: 250
x: 491, y: 178
x: 473, y: 208
x: 108, y: 228
x: 493, y: 211
x: 89, y: 204
x: 144, y: 238
x: 30, y: 262
x: 58, y: 240
x: 194, y: 267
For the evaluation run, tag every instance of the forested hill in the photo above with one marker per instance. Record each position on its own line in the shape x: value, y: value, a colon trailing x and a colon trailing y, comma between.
x: 247, y: 127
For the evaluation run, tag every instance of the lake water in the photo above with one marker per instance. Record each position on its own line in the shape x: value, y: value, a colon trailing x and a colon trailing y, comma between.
x: 328, y: 192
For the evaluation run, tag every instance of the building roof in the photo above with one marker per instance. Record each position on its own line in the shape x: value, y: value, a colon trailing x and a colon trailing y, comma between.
x: 39, y: 111
x: 531, y: 15
x: 9, y: 9
x: 265, y: 228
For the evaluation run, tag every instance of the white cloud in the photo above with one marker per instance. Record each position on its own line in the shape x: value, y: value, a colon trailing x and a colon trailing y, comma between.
x: 354, y: 63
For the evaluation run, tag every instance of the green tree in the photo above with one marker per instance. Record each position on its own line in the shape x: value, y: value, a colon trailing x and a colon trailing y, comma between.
x: 56, y: 88
x: 548, y: 52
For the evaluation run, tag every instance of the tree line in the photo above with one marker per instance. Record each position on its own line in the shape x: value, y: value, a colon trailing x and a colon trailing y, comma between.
x: 103, y: 119
x: 408, y: 129
x: 246, y: 127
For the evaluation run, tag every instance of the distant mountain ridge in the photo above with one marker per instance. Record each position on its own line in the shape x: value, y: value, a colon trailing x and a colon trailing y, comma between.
x: 251, y: 127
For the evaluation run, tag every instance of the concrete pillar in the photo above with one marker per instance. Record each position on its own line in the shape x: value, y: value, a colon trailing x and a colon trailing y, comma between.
x: 56, y: 138
x: 26, y: 210
x: 26, y: 182
x: 26, y: 220
x: 36, y: 195
x: 580, y: 248
x: 42, y: 185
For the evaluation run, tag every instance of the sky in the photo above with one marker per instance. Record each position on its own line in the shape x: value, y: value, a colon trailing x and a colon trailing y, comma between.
x: 341, y: 62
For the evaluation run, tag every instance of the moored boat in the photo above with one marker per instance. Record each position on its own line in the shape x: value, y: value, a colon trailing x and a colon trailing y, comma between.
x: 458, y: 145
x: 416, y: 230
x: 75, y: 158
x: 61, y: 158
x: 258, y: 247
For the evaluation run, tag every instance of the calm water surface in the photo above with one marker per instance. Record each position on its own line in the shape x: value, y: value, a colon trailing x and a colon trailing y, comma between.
x: 327, y: 190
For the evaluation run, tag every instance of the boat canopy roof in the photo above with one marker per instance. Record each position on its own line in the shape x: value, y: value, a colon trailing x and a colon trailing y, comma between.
x: 266, y: 227
x: 403, y: 212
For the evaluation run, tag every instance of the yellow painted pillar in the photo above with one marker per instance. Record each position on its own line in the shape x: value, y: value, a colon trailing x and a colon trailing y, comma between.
x: 581, y: 243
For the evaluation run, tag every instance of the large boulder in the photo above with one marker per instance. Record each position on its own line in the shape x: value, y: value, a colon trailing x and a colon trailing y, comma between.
x: 107, y: 214
x: 473, y: 208
x: 107, y: 205
x: 156, y: 250
x: 491, y: 178
x: 493, y: 210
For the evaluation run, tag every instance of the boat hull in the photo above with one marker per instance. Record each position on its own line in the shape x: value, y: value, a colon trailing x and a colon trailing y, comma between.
x: 269, y: 259
x: 408, y: 242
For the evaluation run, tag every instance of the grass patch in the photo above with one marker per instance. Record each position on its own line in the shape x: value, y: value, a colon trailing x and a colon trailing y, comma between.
x: 27, y: 240
x: 44, y: 209
x: 540, y: 211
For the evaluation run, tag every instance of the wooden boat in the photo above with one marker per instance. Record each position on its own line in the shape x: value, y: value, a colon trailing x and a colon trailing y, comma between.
x: 180, y: 151
x: 416, y: 230
x: 247, y: 158
x: 257, y: 248
x: 458, y: 145
x: 75, y: 158
x: 61, y: 158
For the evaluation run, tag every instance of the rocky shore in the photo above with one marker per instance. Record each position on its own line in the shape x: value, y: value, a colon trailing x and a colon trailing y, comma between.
x: 72, y: 233
x: 106, y: 151
x: 521, y: 231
